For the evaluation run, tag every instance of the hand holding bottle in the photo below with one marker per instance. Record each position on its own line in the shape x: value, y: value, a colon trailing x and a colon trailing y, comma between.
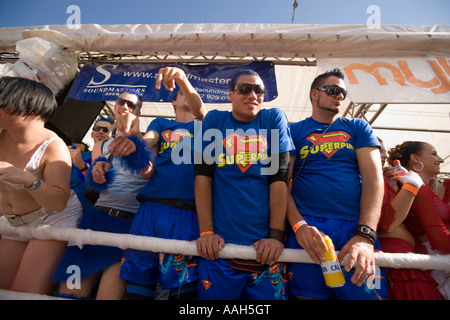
x: 411, y: 178
x: 405, y: 176
x: 399, y: 170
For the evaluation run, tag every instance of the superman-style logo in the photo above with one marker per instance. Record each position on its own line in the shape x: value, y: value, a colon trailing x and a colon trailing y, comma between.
x: 235, y: 143
x: 274, y: 268
x: 245, y: 149
x: 172, y: 138
x: 206, y: 284
x: 176, y: 135
x: 329, y: 143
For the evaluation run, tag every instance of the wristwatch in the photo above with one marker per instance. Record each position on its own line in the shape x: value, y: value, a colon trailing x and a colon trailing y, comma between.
x: 36, y: 184
x: 366, y: 232
x: 86, y: 166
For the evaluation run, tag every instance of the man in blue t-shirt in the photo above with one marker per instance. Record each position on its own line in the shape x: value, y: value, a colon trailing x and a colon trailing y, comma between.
x: 241, y: 194
x: 167, y: 208
x: 337, y: 190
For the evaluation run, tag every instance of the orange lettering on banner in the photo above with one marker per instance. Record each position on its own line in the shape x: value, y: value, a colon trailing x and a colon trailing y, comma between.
x: 439, y: 84
x: 444, y: 63
x: 373, y: 69
x: 413, y: 80
x: 445, y: 81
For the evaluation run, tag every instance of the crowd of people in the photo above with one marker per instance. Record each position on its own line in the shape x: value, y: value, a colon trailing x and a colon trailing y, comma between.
x: 244, y: 176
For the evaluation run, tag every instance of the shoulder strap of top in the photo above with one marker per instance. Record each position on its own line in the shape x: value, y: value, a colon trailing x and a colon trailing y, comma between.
x: 33, y: 165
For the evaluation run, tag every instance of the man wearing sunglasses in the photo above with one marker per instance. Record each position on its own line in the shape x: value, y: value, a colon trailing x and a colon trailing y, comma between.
x: 337, y: 190
x: 168, y: 198
x: 118, y: 183
x: 238, y: 203
x: 100, y: 132
x: 82, y: 160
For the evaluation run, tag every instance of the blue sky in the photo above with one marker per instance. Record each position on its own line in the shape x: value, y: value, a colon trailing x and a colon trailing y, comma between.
x: 19, y: 13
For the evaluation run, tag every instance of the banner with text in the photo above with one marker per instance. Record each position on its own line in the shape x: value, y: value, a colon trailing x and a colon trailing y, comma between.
x: 394, y: 80
x: 103, y: 81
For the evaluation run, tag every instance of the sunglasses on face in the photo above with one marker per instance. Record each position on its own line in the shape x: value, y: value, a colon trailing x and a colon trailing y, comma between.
x: 247, y: 88
x: 98, y: 128
x: 333, y: 90
x: 130, y: 104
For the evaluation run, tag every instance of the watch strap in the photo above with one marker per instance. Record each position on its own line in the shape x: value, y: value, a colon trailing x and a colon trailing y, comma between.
x: 35, y: 185
x: 366, y: 232
x: 86, y: 166
x: 276, y: 234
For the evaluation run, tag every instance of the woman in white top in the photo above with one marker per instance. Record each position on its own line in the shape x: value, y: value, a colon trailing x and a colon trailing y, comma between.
x: 34, y: 184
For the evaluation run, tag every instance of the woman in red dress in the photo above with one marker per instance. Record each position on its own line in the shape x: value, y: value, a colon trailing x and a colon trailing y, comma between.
x: 394, y: 235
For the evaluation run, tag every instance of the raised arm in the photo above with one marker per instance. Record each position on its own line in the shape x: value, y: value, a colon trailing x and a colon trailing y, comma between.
x: 168, y: 76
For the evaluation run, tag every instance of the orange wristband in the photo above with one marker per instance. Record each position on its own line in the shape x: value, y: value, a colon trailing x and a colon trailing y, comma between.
x: 298, y: 225
x: 411, y: 189
x: 205, y: 233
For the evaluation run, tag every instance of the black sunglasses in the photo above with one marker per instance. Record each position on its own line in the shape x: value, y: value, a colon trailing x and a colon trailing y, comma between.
x: 333, y: 90
x: 129, y: 103
x: 98, y: 128
x: 247, y: 88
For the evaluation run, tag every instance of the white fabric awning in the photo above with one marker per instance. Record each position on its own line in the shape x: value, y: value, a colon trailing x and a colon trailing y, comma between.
x: 241, y: 39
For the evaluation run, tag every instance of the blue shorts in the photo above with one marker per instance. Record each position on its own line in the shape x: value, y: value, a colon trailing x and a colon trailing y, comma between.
x: 170, y: 270
x: 93, y: 258
x: 306, y: 279
x: 218, y: 281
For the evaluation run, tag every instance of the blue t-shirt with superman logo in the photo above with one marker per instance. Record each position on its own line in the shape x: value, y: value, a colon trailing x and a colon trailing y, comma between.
x: 329, y: 183
x: 173, y: 176
x: 242, y: 162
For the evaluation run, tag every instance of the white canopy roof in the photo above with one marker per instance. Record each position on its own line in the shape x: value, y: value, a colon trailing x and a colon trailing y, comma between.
x: 241, y: 39
x: 295, y: 51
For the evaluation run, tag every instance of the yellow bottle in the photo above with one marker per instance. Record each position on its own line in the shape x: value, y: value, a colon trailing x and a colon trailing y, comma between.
x: 331, y: 268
